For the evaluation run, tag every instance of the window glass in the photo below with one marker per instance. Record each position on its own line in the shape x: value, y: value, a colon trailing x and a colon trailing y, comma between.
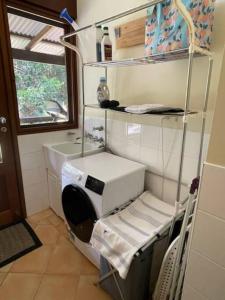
x: 40, y: 71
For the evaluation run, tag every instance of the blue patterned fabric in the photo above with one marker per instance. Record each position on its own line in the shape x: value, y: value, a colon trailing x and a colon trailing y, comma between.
x: 166, y: 29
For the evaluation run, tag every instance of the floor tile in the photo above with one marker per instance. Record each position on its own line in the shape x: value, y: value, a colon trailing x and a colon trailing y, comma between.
x: 2, y: 277
x: 61, y: 228
x: 36, y: 218
x: 44, y: 221
x: 55, y: 220
x: 47, y: 234
x: 34, y: 262
x: 87, y: 268
x: 65, y: 259
x: 87, y: 290
x: 19, y: 286
x: 64, y: 240
x: 32, y: 224
x: 6, y: 268
x: 57, y: 287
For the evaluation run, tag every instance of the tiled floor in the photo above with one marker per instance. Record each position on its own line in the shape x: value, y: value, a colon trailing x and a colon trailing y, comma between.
x: 55, y: 271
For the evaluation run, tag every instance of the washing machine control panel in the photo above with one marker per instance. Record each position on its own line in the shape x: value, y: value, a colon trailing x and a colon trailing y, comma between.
x: 95, y: 185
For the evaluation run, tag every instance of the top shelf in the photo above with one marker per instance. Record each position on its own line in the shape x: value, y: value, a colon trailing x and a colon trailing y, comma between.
x: 158, y: 58
x: 146, y: 60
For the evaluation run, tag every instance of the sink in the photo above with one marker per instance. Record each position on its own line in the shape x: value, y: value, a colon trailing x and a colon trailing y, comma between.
x: 72, y: 148
x: 57, y: 154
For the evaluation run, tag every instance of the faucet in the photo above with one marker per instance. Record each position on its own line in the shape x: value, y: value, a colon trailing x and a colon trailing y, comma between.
x: 78, y: 141
x: 95, y: 139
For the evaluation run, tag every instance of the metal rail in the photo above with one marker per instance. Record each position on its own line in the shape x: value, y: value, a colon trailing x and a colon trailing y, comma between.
x: 113, y: 18
x: 186, y: 108
x: 205, y: 107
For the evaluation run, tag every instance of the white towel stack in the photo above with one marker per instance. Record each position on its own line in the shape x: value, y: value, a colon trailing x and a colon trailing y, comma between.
x: 142, y: 109
x: 118, y: 237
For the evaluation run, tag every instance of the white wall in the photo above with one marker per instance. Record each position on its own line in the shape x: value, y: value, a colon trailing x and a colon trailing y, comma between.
x: 34, y: 168
x: 205, y: 275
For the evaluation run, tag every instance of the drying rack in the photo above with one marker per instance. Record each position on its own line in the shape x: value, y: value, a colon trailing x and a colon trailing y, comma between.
x: 190, y: 53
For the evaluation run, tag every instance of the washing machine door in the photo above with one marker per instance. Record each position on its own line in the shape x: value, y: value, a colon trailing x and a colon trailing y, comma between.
x: 79, y: 212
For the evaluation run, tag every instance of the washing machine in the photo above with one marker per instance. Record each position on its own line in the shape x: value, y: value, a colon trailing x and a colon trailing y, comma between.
x: 92, y: 187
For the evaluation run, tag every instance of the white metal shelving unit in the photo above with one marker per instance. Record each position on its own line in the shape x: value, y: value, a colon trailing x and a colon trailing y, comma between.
x: 190, y: 53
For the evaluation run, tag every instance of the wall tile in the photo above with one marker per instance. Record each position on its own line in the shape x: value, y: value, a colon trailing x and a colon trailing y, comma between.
x: 33, y: 142
x: 206, y: 277
x: 36, y: 197
x: 167, y: 190
x: 150, y: 136
x: 213, y: 191
x: 33, y: 167
x: 33, y: 176
x: 170, y: 140
x: 143, y: 143
x: 209, y: 237
x: 33, y: 160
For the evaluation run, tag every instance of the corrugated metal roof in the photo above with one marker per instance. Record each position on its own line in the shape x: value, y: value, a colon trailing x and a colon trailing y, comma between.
x: 19, y: 42
x: 49, y: 48
x: 23, y: 30
x: 24, y: 26
x: 54, y: 34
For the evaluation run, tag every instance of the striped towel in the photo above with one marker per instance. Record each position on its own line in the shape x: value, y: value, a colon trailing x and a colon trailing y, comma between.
x: 118, y: 237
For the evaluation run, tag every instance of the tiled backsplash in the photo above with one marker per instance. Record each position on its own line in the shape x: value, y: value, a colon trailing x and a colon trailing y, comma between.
x: 158, y: 147
x: 34, y: 169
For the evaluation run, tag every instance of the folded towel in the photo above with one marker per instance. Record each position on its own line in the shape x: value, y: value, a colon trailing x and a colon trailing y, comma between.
x: 142, y: 109
x: 118, y: 237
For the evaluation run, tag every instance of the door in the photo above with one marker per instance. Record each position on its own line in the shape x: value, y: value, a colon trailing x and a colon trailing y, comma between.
x: 79, y: 212
x: 10, y: 202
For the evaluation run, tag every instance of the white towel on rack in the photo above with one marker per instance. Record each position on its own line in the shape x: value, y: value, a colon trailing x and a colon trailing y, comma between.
x: 118, y: 237
x: 142, y: 108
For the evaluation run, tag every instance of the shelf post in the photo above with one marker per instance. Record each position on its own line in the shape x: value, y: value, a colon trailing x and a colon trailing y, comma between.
x: 106, y: 114
x: 83, y: 110
x: 184, y: 131
x: 205, y: 107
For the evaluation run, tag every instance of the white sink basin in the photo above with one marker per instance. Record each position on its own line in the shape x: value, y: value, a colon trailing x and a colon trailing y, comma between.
x: 72, y: 148
x: 57, y: 154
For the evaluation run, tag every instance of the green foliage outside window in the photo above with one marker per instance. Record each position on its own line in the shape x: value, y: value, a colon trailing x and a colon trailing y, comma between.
x: 39, y: 84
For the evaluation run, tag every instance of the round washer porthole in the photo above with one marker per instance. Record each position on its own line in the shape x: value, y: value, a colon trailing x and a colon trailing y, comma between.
x: 79, y: 212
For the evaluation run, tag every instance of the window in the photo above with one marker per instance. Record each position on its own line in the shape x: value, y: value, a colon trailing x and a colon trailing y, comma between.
x: 43, y: 89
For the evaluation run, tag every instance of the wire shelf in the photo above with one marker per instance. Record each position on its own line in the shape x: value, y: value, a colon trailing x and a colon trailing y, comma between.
x: 145, y: 60
x: 181, y: 114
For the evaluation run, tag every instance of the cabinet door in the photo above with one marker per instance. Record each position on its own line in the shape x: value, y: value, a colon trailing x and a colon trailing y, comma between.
x: 54, y: 192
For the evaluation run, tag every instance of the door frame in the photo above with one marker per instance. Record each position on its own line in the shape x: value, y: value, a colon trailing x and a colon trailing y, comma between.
x: 10, y: 92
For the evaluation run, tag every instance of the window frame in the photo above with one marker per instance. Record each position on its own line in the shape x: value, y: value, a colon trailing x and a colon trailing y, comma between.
x: 71, y: 72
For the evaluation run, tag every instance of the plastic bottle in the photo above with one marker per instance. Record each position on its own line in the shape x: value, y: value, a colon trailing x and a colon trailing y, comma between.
x: 99, y: 36
x: 106, y: 45
x: 103, y: 90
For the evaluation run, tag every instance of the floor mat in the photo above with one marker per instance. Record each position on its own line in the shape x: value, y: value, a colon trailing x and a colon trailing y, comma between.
x: 16, y: 240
